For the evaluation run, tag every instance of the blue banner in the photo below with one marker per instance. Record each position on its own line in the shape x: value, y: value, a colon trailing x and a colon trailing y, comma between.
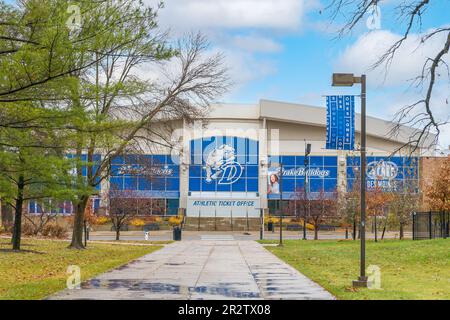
x: 340, y: 122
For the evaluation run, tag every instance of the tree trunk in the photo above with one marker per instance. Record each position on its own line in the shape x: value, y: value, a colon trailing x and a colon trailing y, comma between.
x: 401, y: 231
x: 118, y: 233
x: 78, y: 224
x: 375, y: 226
x: 384, y: 229
x: 354, y: 229
x: 316, y: 232
x: 17, y: 231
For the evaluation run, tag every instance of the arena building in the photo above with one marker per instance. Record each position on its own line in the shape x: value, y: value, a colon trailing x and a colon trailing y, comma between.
x: 244, y: 159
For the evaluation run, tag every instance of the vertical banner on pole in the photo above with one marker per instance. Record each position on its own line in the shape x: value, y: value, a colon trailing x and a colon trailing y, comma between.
x: 340, y: 122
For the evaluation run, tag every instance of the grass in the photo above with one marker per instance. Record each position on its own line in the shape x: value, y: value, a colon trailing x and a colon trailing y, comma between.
x: 409, y: 269
x: 40, y: 268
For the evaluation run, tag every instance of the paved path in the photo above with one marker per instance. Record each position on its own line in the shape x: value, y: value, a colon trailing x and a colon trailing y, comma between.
x: 202, y: 269
x: 164, y: 235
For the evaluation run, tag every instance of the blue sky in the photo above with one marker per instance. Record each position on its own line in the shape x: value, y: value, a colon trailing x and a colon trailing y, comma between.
x: 287, y: 50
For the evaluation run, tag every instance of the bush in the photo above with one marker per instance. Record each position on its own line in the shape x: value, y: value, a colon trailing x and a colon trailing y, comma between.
x: 3, y: 230
x: 137, y: 222
x: 175, y: 221
x: 102, y: 220
x: 271, y: 219
x: 28, y: 229
x: 54, y: 231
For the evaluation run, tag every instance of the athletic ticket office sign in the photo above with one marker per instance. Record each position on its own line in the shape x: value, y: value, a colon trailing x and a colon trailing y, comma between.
x: 340, y: 122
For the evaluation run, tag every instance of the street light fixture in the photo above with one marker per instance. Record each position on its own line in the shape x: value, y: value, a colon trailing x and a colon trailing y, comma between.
x: 348, y: 80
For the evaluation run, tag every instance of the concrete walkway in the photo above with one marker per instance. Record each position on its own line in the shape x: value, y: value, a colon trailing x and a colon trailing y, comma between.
x: 165, y: 235
x: 202, y: 269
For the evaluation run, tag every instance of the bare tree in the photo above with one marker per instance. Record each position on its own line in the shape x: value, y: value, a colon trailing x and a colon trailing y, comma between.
x: 377, y: 203
x: 189, y: 81
x: 123, y: 207
x: 408, y: 16
x: 323, y: 208
x: 39, y: 220
x: 351, y: 208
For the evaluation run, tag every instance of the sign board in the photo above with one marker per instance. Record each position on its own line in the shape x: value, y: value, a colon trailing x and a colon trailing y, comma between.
x: 322, y: 175
x: 146, y: 176
x: 390, y: 174
x: 224, y: 164
x: 223, y: 207
x: 340, y: 122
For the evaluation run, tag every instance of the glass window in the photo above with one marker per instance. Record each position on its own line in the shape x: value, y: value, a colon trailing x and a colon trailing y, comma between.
x: 330, y: 185
x: 238, y: 186
x: 316, y: 185
x: 288, y: 185
x: 145, y: 184
x: 330, y: 161
x: 32, y: 206
x: 172, y: 184
x: 172, y: 206
x: 288, y: 160
x: 227, y: 187
x: 316, y: 161
x: 130, y: 183
x: 252, y: 185
x: 195, y: 171
x: 194, y: 184
x: 158, y: 184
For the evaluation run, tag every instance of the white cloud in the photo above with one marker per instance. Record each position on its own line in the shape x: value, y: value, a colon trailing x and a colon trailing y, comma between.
x: 394, y: 87
x: 406, y: 65
x: 246, y: 31
x: 198, y: 14
x: 255, y: 43
x: 243, y: 67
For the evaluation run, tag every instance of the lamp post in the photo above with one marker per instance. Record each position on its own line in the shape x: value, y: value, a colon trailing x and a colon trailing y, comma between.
x: 261, y: 220
x: 348, y: 80
x: 280, y: 244
x: 280, y: 202
x: 306, y: 195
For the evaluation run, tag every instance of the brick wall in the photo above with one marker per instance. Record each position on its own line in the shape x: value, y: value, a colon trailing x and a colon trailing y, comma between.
x: 429, y: 167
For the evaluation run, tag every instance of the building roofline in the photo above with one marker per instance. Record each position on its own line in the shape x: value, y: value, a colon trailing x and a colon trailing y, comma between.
x: 310, y: 115
x: 316, y: 116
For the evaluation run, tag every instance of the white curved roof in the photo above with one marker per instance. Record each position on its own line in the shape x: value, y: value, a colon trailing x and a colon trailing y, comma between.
x: 309, y: 115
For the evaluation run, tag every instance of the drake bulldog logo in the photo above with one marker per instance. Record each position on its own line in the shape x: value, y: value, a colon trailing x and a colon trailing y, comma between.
x: 384, y: 170
x: 221, y: 165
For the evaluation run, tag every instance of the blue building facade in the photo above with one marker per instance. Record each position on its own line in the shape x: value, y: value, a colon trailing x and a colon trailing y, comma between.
x: 225, y: 177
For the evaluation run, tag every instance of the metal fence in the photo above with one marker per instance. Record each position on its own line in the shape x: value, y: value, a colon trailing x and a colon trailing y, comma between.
x: 430, y: 225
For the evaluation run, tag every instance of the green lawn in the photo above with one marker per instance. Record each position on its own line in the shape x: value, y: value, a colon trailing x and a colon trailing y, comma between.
x: 41, y: 268
x: 409, y: 269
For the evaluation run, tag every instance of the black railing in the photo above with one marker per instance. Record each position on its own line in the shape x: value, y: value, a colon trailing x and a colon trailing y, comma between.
x: 430, y: 225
